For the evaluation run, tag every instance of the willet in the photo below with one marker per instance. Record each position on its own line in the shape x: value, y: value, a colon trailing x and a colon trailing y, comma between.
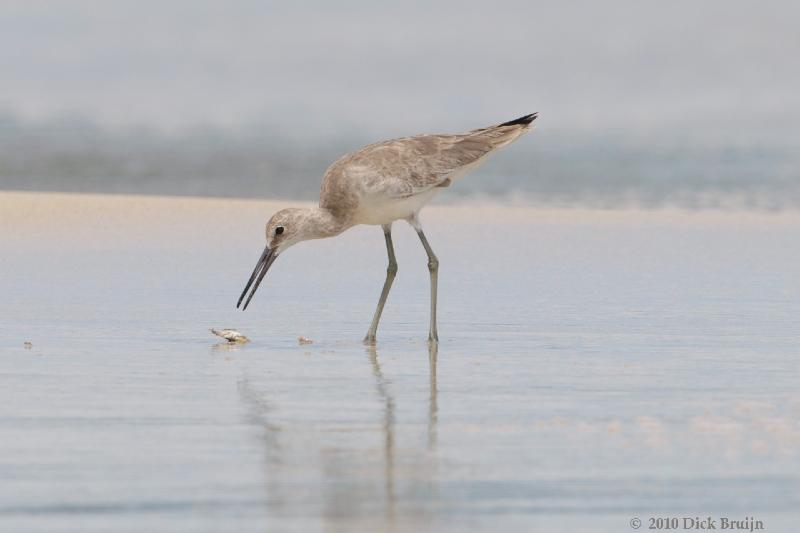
x: 381, y: 183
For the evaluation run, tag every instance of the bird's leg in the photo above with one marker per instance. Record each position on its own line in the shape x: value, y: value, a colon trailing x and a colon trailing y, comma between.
x: 391, y: 272
x: 433, y: 267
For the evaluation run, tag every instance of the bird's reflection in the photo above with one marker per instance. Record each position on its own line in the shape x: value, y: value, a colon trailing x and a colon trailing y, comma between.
x: 258, y: 413
x: 383, y: 389
x: 330, y: 469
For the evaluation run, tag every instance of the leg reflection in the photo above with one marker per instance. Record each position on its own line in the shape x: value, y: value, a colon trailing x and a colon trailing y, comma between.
x: 388, y: 430
x: 433, y: 406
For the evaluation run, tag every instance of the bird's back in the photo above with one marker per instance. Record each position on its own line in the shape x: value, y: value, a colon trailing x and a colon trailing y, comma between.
x: 399, y: 169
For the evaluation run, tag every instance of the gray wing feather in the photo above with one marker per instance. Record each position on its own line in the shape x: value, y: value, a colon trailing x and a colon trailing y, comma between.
x: 411, y: 165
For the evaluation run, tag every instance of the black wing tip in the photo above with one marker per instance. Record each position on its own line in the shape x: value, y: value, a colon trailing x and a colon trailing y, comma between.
x: 521, y: 121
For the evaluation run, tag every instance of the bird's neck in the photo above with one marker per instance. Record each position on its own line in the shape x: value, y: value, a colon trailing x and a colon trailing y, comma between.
x: 324, y: 223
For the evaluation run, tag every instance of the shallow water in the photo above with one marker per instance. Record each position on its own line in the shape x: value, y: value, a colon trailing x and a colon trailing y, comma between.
x: 591, y: 370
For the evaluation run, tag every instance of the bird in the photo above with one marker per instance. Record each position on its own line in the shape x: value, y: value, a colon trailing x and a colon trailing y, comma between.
x: 378, y: 185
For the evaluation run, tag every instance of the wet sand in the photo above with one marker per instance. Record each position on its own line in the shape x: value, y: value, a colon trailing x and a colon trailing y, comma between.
x: 595, y: 366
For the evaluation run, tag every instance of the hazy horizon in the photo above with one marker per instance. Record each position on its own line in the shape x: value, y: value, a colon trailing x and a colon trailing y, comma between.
x: 683, y: 103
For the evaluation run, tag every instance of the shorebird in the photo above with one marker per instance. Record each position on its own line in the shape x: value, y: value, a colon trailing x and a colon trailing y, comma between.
x: 381, y: 183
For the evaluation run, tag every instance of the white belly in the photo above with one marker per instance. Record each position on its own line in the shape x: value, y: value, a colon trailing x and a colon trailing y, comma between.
x: 379, y: 211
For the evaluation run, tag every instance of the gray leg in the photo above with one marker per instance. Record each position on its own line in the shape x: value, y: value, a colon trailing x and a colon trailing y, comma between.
x: 391, y: 272
x: 433, y: 267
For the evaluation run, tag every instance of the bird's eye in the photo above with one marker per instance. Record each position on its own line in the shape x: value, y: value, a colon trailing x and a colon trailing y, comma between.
x: 278, y: 230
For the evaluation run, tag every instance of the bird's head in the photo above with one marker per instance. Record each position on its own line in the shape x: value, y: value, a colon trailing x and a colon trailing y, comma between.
x: 286, y: 228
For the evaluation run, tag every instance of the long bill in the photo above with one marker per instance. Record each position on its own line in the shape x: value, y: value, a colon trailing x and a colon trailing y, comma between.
x: 264, y: 262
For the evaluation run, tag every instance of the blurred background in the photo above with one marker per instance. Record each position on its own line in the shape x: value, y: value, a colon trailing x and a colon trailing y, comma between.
x: 683, y: 103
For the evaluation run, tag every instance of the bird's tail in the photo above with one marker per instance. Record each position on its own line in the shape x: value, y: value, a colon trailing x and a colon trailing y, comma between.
x: 523, y: 122
x: 500, y: 135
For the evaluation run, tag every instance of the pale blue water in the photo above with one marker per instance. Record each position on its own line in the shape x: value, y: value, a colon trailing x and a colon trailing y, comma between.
x: 591, y: 370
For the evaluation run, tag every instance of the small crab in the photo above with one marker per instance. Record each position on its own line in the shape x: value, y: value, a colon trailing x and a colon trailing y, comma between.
x: 230, y: 335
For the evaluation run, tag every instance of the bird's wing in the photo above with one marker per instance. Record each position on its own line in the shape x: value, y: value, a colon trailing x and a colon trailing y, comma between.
x: 411, y: 165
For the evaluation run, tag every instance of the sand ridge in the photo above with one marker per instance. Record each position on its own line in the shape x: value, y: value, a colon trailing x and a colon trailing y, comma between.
x: 49, y: 221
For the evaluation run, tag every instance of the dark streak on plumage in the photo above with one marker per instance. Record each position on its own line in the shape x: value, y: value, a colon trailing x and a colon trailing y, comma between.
x: 527, y: 119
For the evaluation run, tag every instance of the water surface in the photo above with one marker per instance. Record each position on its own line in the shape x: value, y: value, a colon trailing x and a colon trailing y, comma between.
x: 593, y: 367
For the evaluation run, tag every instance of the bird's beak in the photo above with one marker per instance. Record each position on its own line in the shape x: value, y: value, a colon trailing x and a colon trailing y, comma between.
x: 264, y: 262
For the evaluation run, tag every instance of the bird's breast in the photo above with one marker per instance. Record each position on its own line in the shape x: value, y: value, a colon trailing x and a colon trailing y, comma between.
x: 378, y: 211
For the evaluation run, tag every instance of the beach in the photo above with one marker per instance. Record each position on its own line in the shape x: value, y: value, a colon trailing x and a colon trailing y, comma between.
x: 594, y: 366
